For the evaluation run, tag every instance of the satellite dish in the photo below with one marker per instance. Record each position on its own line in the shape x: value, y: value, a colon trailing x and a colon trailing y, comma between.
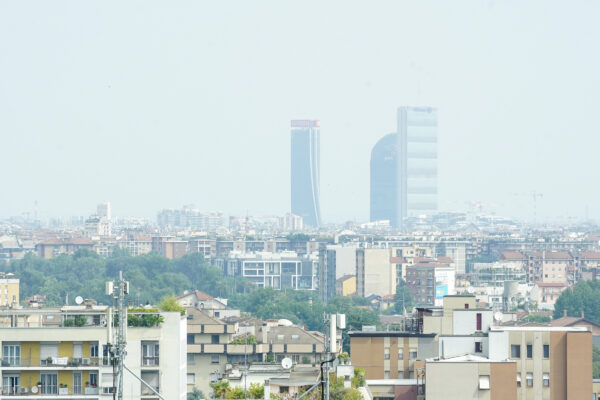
x: 498, y: 316
x: 470, y: 290
x: 78, y: 300
x: 34, y: 389
x: 286, y: 363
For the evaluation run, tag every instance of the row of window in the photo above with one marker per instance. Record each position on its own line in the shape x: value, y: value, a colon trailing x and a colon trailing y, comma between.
x: 412, y: 355
x: 529, y: 379
x: 11, y: 384
x: 515, y: 351
x: 11, y: 353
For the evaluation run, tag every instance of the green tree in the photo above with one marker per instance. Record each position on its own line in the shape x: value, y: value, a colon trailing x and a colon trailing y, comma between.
x: 220, y: 389
x: 403, y: 299
x: 169, y: 303
x: 583, y: 298
x: 196, y: 394
x: 596, y: 362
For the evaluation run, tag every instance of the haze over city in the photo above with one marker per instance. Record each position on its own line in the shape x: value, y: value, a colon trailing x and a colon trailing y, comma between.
x: 155, y: 105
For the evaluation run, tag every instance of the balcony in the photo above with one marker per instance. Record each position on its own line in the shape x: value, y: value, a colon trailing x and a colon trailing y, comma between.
x: 50, y: 362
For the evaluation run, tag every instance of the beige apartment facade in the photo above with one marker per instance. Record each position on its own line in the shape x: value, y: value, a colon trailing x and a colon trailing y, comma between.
x: 470, y: 377
x: 374, y: 273
x: 391, y: 355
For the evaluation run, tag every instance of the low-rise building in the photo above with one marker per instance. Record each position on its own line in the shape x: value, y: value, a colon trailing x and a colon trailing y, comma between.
x: 345, y: 286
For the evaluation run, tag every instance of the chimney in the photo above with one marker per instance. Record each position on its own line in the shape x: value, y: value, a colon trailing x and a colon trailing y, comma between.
x: 564, y: 313
x: 582, y: 315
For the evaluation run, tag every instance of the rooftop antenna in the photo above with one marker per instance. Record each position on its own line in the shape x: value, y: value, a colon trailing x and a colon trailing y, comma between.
x: 118, y: 350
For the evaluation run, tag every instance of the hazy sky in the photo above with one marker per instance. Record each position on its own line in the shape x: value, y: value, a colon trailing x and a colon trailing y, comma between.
x: 154, y: 104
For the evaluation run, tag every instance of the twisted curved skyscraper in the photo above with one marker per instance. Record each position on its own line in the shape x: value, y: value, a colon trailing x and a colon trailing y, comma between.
x: 305, y: 160
x: 404, y: 168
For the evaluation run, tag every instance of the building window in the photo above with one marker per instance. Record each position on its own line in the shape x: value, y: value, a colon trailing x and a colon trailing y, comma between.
x: 515, y: 351
x: 529, y: 379
x: 386, y: 356
x: 190, y: 358
x: 93, y: 379
x: 11, y: 384
x: 546, y: 377
x: 479, y: 321
x: 94, y: 350
x: 478, y: 347
x: 412, y: 355
x: 401, y: 355
x: 191, y: 379
x: 214, y: 339
x: 150, y: 353
x: 49, y: 383
x: 11, y: 354
x: 546, y: 351
x: 518, y: 380
x: 529, y: 351
x: 215, y: 359
x: 466, y: 306
x: 484, y: 382
x: 190, y: 338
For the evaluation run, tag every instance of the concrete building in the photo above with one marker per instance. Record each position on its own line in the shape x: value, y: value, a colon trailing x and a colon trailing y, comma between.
x: 46, y: 354
x: 55, y: 247
x: 283, y: 270
x: 374, y: 273
x: 546, y: 294
x: 169, y: 247
x: 206, y: 247
x: 9, y: 290
x: 391, y: 355
x: 552, y: 362
x: 430, y: 282
x: 404, y: 168
x: 136, y: 244
x: 470, y: 377
x: 305, y: 171
x: 345, y: 286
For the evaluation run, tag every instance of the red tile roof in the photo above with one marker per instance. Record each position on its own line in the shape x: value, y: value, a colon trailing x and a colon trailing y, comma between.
x: 513, y: 255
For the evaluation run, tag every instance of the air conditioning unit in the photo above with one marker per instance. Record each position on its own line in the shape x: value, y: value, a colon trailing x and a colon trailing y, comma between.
x: 24, y: 390
x: 86, y: 361
x: 108, y: 390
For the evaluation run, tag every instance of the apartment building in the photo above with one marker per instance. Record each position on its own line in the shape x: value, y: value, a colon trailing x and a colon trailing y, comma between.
x: 429, y: 282
x: 55, y: 247
x: 206, y: 247
x: 169, y: 247
x: 391, y: 355
x: 374, y: 273
x: 552, y: 362
x: 284, y: 270
x: 470, y: 377
x: 405, y: 255
x: 9, y: 289
x: 345, y: 286
x: 63, y: 352
x: 215, y: 346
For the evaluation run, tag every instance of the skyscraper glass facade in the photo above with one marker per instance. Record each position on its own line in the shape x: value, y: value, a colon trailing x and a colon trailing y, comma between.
x: 305, y: 166
x: 404, y: 168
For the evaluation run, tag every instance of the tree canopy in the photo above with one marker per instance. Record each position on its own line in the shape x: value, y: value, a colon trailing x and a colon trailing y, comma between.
x: 585, y: 297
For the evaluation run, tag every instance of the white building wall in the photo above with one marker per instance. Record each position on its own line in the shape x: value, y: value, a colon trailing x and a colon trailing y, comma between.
x: 453, y: 346
x: 498, y: 345
x: 464, y: 322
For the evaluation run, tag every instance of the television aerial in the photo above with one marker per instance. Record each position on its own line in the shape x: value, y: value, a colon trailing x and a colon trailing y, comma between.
x: 470, y: 290
x: 498, y: 316
x: 286, y: 363
x: 78, y: 300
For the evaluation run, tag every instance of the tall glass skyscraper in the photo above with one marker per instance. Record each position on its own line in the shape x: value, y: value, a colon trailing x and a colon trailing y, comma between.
x: 404, y: 168
x: 305, y: 159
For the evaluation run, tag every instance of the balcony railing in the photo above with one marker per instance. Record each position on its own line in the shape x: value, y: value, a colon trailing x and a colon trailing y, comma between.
x: 64, y: 362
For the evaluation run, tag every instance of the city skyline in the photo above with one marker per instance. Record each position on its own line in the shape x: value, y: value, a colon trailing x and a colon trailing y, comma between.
x: 515, y: 104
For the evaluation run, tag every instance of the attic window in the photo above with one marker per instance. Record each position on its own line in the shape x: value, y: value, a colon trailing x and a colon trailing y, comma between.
x: 295, y: 336
x: 280, y: 337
